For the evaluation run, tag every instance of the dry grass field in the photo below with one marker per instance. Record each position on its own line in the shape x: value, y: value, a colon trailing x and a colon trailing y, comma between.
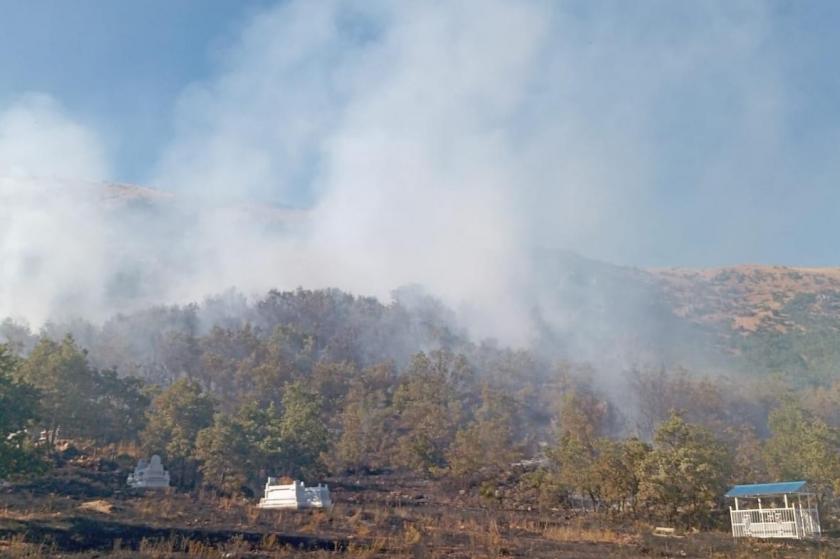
x: 84, y: 513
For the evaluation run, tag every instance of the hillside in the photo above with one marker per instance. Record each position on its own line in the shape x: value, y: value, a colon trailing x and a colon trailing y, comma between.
x: 749, y: 299
x: 745, y: 319
x: 114, y: 198
x: 770, y: 318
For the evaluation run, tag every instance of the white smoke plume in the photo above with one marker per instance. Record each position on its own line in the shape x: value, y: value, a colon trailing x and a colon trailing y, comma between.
x: 52, y: 235
x: 438, y: 143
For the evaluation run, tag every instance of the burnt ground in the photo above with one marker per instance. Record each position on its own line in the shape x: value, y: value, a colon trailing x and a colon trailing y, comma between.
x: 83, y: 510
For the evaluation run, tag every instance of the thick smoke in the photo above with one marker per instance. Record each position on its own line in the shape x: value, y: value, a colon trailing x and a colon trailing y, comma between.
x: 447, y: 144
x: 52, y: 235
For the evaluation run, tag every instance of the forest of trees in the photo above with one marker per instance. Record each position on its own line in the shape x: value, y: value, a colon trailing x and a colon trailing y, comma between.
x: 315, y: 383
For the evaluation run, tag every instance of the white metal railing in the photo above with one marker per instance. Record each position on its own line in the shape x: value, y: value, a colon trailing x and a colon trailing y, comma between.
x: 791, y: 522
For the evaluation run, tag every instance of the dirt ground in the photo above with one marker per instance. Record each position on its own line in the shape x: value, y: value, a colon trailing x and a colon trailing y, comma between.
x: 86, y: 512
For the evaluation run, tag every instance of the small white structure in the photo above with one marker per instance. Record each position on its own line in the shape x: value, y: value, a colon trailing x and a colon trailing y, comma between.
x: 294, y: 496
x: 149, y: 475
x: 787, y: 516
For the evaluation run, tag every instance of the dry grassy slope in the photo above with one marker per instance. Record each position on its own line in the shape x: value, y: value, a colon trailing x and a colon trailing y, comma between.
x: 119, y: 193
x: 750, y: 298
x: 82, y: 510
x: 115, y: 197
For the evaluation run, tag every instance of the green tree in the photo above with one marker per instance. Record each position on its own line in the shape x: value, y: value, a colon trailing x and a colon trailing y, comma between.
x: 228, y: 357
x: 366, y: 421
x: 574, y: 462
x: 80, y: 401
x: 261, y: 427
x: 121, y: 405
x: 237, y: 450
x: 486, y: 447
x: 803, y: 447
x: 750, y: 464
x: 18, y: 409
x: 66, y: 382
x: 173, y: 423
x: 583, y: 419
x: 224, y: 453
x: 428, y: 411
x: 270, y: 363
x: 686, y: 472
x: 303, y: 437
x: 332, y: 382
x: 616, y: 470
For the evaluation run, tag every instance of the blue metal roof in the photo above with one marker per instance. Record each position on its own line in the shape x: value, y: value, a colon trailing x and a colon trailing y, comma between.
x: 761, y: 489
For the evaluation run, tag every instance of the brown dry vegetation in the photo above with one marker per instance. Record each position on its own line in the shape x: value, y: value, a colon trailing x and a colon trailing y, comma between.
x: 374, y: 517
x: 746, y: 298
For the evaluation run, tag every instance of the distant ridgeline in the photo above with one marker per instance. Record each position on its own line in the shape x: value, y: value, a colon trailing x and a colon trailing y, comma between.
x: 761, y: 320
x: 765, y: 319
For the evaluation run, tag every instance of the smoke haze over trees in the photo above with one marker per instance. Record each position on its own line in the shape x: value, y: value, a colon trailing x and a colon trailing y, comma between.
x: 320, y: 382
x: 370, y: 147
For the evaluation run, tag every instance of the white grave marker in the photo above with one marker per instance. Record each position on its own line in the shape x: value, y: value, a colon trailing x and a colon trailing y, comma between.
x: 149, y: 475
x: 294, y: 496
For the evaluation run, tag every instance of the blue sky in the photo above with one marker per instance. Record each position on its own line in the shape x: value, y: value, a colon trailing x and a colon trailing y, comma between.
x: 117, y: 65
x: 649, y: 133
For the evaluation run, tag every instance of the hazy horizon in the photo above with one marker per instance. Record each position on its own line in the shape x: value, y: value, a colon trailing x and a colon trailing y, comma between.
x: 440, y: 144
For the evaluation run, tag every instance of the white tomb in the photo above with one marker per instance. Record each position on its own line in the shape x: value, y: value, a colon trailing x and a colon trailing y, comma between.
x: 149, y: 475
x: 294, y: 496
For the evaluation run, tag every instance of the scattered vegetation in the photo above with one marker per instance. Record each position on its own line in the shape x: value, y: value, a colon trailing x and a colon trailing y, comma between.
x: 509, y: 448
